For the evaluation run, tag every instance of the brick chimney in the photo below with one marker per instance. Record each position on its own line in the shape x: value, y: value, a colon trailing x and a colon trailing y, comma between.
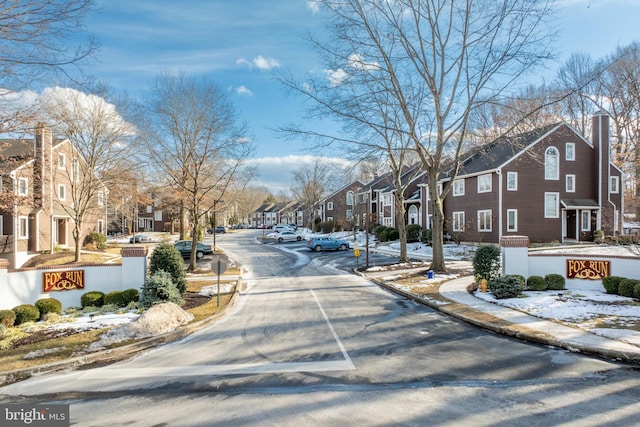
x: 42, y: 163
x: 600, y: 139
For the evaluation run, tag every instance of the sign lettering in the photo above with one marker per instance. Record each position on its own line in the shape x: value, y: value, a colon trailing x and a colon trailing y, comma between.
x: 588, y: 269
x: 62, y: 280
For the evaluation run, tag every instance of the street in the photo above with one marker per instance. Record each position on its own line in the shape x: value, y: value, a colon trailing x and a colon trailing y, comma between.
x: 309, y: 343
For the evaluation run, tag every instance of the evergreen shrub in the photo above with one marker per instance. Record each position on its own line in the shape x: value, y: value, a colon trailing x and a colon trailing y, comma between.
x: 555, y: 282
x: 486, y: 263
x: 413, y: 232
x: 168, y: 259
x: 611, y: 284
x: 506, y: 287
x: 48, y: 305
x: 131, y: 295
x: 115, y: 298
x: 92, y: 299
x: 159, y: 288
x: 26, y: 313
x: 536, y: 283
x: 627, y: 287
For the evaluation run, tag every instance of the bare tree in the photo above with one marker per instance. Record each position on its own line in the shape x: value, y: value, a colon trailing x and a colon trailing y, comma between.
x: 39, y: 40
x: 101, y: 138
x: 194, y: 140
x: 312, y: 183
x: 436, y: 61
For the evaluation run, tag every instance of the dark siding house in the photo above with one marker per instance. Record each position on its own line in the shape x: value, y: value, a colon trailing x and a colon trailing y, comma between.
x: 550, y: 184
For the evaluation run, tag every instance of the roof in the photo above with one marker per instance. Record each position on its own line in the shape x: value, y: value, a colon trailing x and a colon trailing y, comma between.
x: 17, y: 152
x: 580, y: 203
x: 498, y: 152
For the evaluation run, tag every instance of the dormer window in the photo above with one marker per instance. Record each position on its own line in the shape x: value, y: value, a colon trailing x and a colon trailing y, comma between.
x: 61, y: 161
x: 349, y: 198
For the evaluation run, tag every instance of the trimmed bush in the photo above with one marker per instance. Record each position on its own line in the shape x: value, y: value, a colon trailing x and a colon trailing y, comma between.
x: 627, y: 287
x: 427, y: 236
x: 159, y: 288
x: 636, y: 291
x: 555, y: 282
x: 48, y: 305
x: 486, y: 263
x: 7, y: 318
x: 611, y: 284
x: 167, y: 258
x: 506, y: 287
x: 413, y: 232
x: 116, y: 298
x: 536, y: 283
x: 131, y: 295
x: 92, y: 299
x: 26, y: 313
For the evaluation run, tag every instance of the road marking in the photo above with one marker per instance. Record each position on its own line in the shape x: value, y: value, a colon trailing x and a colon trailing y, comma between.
x: 333, y: 331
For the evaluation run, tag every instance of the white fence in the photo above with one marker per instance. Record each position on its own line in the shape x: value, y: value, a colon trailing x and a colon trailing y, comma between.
x: 516, y: 259
x: 26, y: 286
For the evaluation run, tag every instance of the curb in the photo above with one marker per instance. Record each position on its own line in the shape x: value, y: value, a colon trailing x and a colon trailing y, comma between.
x: 503, y: 327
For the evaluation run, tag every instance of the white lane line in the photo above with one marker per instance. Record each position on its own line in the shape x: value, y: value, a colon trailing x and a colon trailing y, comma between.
x: 333, y: 331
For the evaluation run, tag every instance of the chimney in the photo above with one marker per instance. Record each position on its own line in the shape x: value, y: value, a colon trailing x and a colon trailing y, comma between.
x: 42, y: 163
x: 600, y: 139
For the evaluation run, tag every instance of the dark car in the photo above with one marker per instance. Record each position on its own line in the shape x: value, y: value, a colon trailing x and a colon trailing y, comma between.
x: 221, y: 229
x: 139, y: 238
x: 322, y: 243
x: 184, y: 247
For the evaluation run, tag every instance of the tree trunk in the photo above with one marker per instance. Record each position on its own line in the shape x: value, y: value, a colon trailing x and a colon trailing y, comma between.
x: 437, y: 224
x: 76, y: 238
x: 402, y: 228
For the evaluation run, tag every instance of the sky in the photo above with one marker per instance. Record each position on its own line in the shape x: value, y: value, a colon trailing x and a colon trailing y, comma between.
x: 241, y: 43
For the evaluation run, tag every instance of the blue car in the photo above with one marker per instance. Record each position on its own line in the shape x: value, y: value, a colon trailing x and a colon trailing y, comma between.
x: 323, y: 243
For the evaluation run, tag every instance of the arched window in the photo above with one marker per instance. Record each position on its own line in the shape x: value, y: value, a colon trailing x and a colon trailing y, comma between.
x: 551, y: 164
x: 413, y: 214
x: 350, y: 198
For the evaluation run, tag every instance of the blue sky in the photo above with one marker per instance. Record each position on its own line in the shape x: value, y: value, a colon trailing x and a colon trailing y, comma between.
x: 239, y: 43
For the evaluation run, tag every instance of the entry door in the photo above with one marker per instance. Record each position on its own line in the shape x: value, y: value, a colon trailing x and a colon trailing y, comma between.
x: 571, y: 225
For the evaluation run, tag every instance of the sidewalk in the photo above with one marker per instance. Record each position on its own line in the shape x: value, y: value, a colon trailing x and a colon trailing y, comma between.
x: 517, y: 324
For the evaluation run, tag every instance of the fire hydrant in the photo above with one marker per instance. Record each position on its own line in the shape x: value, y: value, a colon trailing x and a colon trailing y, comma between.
x: 483, y: 285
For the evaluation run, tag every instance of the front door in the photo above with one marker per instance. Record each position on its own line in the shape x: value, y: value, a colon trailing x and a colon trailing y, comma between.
x: 571, y: 225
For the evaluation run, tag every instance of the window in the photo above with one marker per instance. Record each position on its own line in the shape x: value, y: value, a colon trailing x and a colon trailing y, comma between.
x: 100, y: 227
x: 386, y: 200
x: 570, y: 151
x: 349, y: 214
x: 458, y: 221
x: 349, y: 198
x: 484, y: 183
x: 23, y: 224
x: 551, y: 165
x: 614, y: 185
x: 512, y: 220
x: 62, y: 191
x: 512, y: 181
x: 100, y: 198
x: 23, y: 187
x: 484, y: 220
x: 329, y: 218
x: 149, y: 208
x: 585, y: 221
x: 157, y: 215
x: 61, y: 161
x: 1, y: 225
x: 74, y: 170
x: 458, y: 187
x: 571, y: 183
x: 329, y: 206
x: 551, y: 205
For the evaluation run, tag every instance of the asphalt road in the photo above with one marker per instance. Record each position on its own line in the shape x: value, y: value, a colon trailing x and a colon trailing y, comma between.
x: 310, y: 344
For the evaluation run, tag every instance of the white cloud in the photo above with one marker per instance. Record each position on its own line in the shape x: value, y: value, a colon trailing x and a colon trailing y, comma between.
x: 356, y: 61
x: 336, y: 77
x: 243, y: 90
x: 265, y: 63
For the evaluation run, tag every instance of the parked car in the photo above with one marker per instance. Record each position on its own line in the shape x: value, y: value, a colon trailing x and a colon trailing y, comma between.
x: 322, y: 243
x: 221, y: 229
x: 184, y: 247
x: 139, y: 238
x: 280, y: 228
x: 287, y: 236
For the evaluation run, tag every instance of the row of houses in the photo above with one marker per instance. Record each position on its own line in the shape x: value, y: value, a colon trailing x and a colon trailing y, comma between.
x: 551, y: 184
